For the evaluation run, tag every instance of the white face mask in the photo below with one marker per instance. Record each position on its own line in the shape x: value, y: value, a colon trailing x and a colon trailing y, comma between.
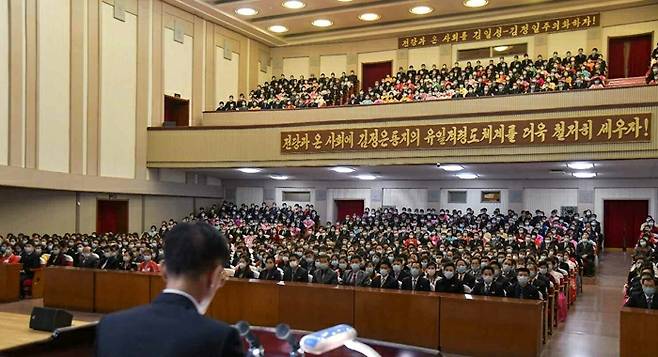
x: 217, y: 282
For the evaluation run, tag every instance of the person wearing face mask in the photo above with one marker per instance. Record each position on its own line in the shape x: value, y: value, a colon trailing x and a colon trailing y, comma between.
x: 398, y: 272
x: 522, y: 289
x: 539, y: 281
x: 499, y: 279
x: 323, y: 274
x: 485, y: 285
x: 449, y: 282
x: 9, y: 257
x: 461, y: 271
x: 243, y: 271
x: 193, y: 273
x: 645, y: 299
x: 148, y: 265
x: 354, y: 276
x: 432, y: 275
x: 586, y: 251
x: 108, y: 261
x: 57, y: 257
x: 385, y: 278
x: 87, y: 259
x: 416, y: 281
x: 294, y: 272
x: 30, y: 261
x: 126, y: 263
x: 271, y: 272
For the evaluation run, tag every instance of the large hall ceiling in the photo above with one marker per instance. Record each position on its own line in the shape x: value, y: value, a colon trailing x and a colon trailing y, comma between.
x: 395, y: 17
x: 609, y: 169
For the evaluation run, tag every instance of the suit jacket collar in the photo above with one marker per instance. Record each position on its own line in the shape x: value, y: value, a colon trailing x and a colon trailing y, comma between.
x: 174, y: 299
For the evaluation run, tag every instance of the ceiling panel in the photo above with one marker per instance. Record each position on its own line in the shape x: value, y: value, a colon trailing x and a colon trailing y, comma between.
x: 612, y: 169
x: 344, y: 15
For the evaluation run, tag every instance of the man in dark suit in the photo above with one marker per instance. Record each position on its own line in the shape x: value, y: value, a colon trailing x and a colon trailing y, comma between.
x: 324, y: 275
x: 87, y: 259
x: 173, y: 324
x: 108, y: 260
x: 271, y: 272
x: 398, y: 271
x: 449, y: 283
x: 355, y: 276
x: 415, y: 282
x: 522, y: 289
x: 646, y: 299
x: 293, y: 272
x: 385, y: 279
x: 463, y: 275
x: 485, y: 285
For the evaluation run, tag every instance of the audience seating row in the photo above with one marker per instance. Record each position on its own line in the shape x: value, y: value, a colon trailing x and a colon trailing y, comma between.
x: 449, y: 322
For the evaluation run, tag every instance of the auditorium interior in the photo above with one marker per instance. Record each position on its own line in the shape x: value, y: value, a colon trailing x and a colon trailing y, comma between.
x: 453, y: 178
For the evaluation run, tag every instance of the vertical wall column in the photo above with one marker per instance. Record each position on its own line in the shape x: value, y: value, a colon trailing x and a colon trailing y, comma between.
x: 77, y: 93
x: 31, y: 83
x: 157, y: 111
x: 93, y: 85
x: 144, y: 38
x: 16, y: 82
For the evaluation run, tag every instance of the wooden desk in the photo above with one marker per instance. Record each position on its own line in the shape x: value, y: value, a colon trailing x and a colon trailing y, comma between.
x: 37, y: 284
x: 313, y: 307
x: 157, y: 284
x: 118, y: 290
x: 638, y: 329
x: 251, y: 300
x: 10, y: 278
x: 398, y: 316
x: 490, y: 326
x: 69, y: 288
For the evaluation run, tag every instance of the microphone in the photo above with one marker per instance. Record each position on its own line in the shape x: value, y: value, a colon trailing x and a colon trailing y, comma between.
x: 255, y: 348
x: 328, y: 339
x: 283, y: 333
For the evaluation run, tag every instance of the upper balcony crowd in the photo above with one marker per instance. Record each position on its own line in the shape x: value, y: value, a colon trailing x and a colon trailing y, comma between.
x: 520, y: 76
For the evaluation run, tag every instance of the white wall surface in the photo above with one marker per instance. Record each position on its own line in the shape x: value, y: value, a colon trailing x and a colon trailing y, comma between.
x: 53, y: 93
x: 297, y: 66
x: 226, y: 76
x: 549, y: 199
x: 278, y: 196
x: 474, y: 200
x: 264, y: 76
x: 405, y: 198
x: 566, y: 41
x: 332, y: 63
x: 426, y: 55
x: 118, y: 78
x: 249, y: 195
x: 4, y: 82
x: 177, y: 64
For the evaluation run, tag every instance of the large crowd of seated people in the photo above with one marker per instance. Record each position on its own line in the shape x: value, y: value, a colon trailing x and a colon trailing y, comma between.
x: 291, y: 93
x: 488, y: 253
x: 640, y: 286
x: 522, y: 75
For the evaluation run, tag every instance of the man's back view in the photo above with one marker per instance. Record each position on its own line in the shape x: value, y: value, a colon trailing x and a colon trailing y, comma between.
x: 174, y: 325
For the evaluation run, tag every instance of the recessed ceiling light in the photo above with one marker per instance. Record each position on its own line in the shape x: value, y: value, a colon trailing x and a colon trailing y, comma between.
x: 246, y: 11
x: 501, y: 48
x: 369, y: 16
x: 322, y: 23
x: 475, y: 3
x: 580, y: 165
x: 344, y: 0
x: 342, y: 169
x: 451, y: 167
x: 279, y: 177
x: 421, y: 10
x: 294, y: 4
x: 366, y: 177
x: 467, y: 176
x: 278, y: 28
x: 249, y: 170
x: 584, y: 174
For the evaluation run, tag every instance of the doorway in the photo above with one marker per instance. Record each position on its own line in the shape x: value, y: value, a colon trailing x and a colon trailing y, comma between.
x: 374, y: 71
x: 622, y: 220
x: 629, y: 56
x: 112, y: 216
x: 348, y: 208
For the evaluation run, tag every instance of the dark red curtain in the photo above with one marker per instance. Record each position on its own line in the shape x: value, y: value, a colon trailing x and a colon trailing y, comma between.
x: 112, y: 216
x: 348, y: 207
x: 639, y: 56
x: 616, y: 60
x: 371, y: 72
x: 622, y: 219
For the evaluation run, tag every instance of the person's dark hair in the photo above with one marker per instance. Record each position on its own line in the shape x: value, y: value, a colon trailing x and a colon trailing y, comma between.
x: 489, y: 268
x: 523, y: 270
x: 194, y: 248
